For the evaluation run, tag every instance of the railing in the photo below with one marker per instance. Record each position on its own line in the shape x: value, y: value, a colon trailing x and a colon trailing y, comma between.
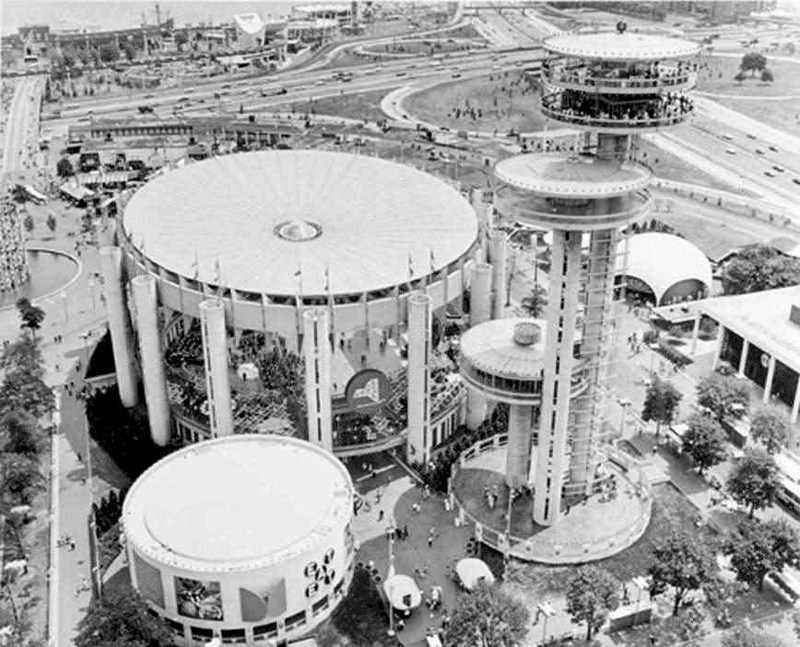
x: 548, y: 551
x: 558, y: 77
x: 551, y: 107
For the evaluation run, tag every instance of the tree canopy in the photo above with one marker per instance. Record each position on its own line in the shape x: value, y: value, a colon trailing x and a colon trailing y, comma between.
x: 682, y: 562
x: 120, y: 619
x: 757, y: 548
x: 31, y: 315
x: 660, y: 402
x: 21, y: 433
x: 759, y: 267
x: 591, y: 594
x: 534, y: 304
x: 771, y: 427
x: 704, y: 441
x: 767, y: 76
x: 64, y: 168
x: 487, y: 616
x: 20, y: 477
x: 753, y: 62
x: 753, y: 482
x: 723, y: 395
x: 108, y: 53
x: 742, y: 636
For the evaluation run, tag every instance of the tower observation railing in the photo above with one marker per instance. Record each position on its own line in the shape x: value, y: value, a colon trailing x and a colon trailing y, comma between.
x: 669, y: 78
x: 553, y: 108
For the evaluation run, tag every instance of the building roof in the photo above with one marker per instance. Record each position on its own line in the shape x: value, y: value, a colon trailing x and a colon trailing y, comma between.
x: 244, y: 501
x: 573, y: 176
x: 491, y: 347
x: 763, y: 319
x: 261, y: 218
x: 662, y: 260
x: 249, y: 23
x: 613, y: 46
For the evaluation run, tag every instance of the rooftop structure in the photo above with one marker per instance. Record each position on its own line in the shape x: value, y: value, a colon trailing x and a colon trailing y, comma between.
x: 304, y: 223
x: 671, y: 267
x: 239, y: 532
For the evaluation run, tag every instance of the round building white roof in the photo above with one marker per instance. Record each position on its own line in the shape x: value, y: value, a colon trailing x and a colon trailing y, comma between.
x: 237, y: 502
x: 662, y: 260
x: 511, y: 348
x: 288, y: 221
x: 576, y: 176
x: 615, y: 46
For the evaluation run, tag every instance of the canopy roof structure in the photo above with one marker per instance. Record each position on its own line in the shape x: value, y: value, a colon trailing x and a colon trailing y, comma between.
x: 471, y: 571
x: 511, y: 348
x: 615, y: 46
x: 662, y: 260
x: 402, y: 592
x: 249, y: 23
x: 305, y: 222
x: 244, y: 501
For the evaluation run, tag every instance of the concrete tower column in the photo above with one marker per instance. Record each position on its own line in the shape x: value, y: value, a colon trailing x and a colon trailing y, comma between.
x: 497, y: 255
x: 480, y: 311
x: 155, y: 383
x: 215, y: 355
x: 518, y: 451
x: 317, y: 353
x: 419, y: 349
x: 596, y: 348
x: 119, y: 326
x: 562, y: 295
x: 481, y: 294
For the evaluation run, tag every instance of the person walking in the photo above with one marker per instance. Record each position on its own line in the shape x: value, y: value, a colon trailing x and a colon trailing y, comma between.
x: 380, y: 515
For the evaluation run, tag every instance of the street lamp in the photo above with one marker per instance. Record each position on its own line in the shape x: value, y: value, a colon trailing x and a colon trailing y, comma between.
x: 389, y: 575
x: 624, y: 403
x: 545, y: 609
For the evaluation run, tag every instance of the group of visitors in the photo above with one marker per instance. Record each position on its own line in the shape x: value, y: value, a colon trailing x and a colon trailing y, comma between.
x: 638, y: 109
x: 637, y: 74
x: 490, y: 496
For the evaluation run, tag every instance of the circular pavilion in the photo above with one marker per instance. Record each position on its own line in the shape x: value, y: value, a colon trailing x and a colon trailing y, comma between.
x: 242, y: 538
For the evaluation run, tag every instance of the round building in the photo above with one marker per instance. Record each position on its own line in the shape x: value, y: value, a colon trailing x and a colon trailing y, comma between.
x: 243, y: 538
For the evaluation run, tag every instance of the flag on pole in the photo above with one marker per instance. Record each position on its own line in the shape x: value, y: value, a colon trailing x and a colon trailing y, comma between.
x: 410, y: 266
x: 217, y: 272
x: 299, y: 275
x: 433, y: 261
x: 195, y: 266
x: 327, y: 279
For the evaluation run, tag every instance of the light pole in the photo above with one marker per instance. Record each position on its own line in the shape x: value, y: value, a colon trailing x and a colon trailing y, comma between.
x: 545, y: 609
x: 507, y: 547
x: 95, y: 561
x: 624, y: 403
x: 389, y: 575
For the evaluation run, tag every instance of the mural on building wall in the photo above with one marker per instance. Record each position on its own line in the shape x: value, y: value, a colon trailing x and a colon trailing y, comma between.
x: 197, y: 599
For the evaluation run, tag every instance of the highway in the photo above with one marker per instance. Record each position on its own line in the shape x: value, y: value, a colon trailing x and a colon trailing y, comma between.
x: 22, y: 127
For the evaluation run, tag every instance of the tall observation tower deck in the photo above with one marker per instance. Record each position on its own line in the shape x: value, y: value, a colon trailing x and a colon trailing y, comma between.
x: 612, y: 86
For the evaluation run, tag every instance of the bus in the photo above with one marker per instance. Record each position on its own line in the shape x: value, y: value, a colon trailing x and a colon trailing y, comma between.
x: 788, y: 482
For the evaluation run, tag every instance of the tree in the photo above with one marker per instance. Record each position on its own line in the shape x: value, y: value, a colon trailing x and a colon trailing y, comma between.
x: 121, y: 618
x: 31, y: 315
x: 64, y: 168
x: 759, y: 267
x: 23, y: 434
x: 660, y: 402
x: 28, y: 223
x: 740, y: 76
x: 742, y: 636
x: 19, y: 194
x: 51, y: 222
x: 724, y: 396
x: 108, y: 53
x: 130, y: 52
x: 487, y: 616
x: 682, y: 562
x: 23, y: 391
x: 757, y: 548
x: 591, y: 594
x: 767, y: 76
x: 704, y: 441
x: 770, y: 427
x: 754, y: 481
x: 534, y: 303
x: 753, y: 62
x: 180, y: 39
x: 20, y: 477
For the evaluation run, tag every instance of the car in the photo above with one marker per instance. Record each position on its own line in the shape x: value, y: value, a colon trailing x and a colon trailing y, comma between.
x: 149, y: 96
x: 320, y: 82
x: 227, y: 86
x: 770, y: 174
x: 751, y: 136
x: 727, y: 136
x: 145, y: 109
x: 497, y: 67
x: 796, y: 180
x: 759, y: 151
x: 730, y: 151
x: 400, y: 74
x: 774, y: 149
x: 189, y: 90
x: 777, y: 167
x: 456, y: 75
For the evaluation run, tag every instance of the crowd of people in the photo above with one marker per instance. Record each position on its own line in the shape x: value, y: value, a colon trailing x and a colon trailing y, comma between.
x: 643, y: 75
x: 637, y: 109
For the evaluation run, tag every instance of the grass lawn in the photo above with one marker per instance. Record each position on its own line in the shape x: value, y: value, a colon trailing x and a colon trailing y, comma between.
x: 518, y: 110
x: 429, y: 47
x: 781, y: 114
x: 718, y: 78
x: 366, y: 105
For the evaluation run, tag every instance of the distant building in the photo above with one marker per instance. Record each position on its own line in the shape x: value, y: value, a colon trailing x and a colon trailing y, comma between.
x: 249, y: 30
x: 341, y: 12
x: 318, y: 29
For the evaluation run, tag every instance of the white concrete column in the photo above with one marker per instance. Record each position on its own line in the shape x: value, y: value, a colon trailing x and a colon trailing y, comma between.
x: 718, y: 347
x: 551, y: 455
x: 695, y: 333
x: 796, y: 403
x: 743, y: 358
x: 119, y: 326
x: 498, y: 248
x: 419, y: 349
x: 477, y: 408
x: 481, y: 294
x: 770, y: 378
x: 145, y: 298
x: 518, y: 450
x: 215, y: 355
x: 317, y: 353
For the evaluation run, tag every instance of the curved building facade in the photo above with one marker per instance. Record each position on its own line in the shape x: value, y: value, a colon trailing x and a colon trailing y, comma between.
x: 244, y: 538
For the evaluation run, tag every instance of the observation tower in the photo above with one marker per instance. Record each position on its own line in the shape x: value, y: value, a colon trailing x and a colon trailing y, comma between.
x: 611, y: 86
